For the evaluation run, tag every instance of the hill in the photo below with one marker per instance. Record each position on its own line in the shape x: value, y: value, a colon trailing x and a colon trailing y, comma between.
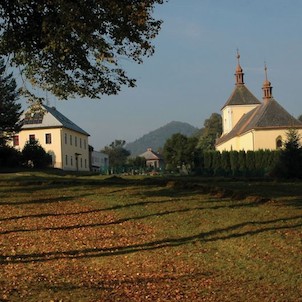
x: 157, y: 138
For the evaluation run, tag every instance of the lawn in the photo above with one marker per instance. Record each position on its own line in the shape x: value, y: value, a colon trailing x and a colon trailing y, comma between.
x: 92, y: 238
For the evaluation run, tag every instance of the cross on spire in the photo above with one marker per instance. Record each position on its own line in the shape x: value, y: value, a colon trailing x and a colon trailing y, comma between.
x: 267, y: 87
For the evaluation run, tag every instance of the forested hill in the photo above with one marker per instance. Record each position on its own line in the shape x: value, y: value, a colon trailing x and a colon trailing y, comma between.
x: 157, y: 138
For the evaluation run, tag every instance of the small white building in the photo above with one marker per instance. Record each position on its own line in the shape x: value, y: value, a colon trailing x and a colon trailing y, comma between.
x: 66, y: 142
x: 99, y: 162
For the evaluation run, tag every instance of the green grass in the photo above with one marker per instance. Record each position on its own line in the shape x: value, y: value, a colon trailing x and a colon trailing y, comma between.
x: 92, y: 238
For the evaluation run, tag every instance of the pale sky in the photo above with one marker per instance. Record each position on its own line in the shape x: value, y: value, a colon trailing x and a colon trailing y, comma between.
x: 191, y: 74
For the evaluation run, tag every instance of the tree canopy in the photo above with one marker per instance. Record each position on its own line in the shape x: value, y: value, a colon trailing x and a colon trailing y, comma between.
x: 180, y: 150
x: 73, y: 47
x: 9, y: 108
x: 117, y: 154
x: 212, y: 130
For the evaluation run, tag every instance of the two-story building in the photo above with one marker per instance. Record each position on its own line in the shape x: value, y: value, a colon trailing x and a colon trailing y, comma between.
x: 66, y: 142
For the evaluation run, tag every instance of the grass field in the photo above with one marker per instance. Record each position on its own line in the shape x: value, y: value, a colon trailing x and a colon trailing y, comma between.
x: 91, y: 238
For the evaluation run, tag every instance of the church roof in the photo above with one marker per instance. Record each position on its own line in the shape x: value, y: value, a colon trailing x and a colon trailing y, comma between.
x: 48, y: 117
x: 269, y: 115
x: 241, y: 96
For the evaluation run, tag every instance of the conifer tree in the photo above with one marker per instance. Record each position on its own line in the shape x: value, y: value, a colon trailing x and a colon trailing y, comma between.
x: 9, y: 107
x: 290, y: 160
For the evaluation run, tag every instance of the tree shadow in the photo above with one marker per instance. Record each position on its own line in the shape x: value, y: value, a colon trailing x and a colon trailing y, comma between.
x: 42, y: 201
x: 117, y: 221
x: 210, y: 236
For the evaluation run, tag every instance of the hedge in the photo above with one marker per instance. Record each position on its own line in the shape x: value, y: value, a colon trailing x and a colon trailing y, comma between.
x: 238, y: 163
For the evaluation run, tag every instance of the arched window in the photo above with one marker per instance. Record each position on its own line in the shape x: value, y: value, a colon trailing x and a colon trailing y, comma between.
x: 279, y: 142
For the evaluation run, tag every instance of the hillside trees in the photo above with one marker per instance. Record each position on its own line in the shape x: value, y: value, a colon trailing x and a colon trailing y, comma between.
x: 9, y: 108
x: 74, y: 48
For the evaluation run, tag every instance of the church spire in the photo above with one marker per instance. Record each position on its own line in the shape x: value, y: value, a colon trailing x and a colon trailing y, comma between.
x: 239, y: 73
x: 267, y: 88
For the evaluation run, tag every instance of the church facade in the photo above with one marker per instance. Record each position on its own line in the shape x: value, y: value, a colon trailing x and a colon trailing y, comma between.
x: 251, y: 124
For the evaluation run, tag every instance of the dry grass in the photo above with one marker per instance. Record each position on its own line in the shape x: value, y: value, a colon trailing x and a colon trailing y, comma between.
x: 68, y: 238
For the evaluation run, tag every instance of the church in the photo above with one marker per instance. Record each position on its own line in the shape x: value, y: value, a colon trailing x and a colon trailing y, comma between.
x: 251, y: 124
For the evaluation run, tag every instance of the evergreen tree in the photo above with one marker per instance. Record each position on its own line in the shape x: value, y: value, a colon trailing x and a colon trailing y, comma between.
x: 35, y: 156
x: 290, y: 159
x: 9, y: 108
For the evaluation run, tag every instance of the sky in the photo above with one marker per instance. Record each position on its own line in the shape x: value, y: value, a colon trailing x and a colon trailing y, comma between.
x: 191, y: 74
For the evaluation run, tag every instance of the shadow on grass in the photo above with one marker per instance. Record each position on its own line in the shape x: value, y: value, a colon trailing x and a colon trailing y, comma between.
x: 41, y: 201
x: 118, y: 221
x: 234, y: 231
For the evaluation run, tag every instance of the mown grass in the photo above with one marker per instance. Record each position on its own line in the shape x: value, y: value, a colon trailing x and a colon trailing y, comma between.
x: 92, y: 238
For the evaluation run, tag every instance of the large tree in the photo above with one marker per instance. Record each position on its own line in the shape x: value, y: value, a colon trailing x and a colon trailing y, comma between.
x: 180, y: 151
x: 117, y: 154
x: 73, y: 47
x: 9, y: 106
x: 211, y: 131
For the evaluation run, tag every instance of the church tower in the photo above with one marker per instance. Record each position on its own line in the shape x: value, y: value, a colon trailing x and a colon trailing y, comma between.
x: 267, y: 88
x: 239, y: 103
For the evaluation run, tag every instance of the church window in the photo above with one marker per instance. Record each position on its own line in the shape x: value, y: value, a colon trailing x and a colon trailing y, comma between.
x: 279, y: 142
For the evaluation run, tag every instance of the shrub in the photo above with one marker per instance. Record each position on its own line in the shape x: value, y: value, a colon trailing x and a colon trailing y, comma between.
x: 34, y: 155
x: 9, y: 157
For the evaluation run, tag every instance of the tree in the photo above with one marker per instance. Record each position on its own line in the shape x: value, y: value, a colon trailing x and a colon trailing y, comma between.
x: 289, y: 164
x: 180, y: 151
x: 9, y: 108
x: 117, y: 154
x: 35, y: 156
x: 136, y: 163
x: 211, y: 131
x: 74, y: 48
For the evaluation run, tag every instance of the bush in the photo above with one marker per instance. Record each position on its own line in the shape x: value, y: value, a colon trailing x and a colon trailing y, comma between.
x: 34, y: 155
x: 9, y: 157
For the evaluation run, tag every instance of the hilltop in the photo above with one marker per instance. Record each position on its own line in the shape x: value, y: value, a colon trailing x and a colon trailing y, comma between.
x: 157, y: 138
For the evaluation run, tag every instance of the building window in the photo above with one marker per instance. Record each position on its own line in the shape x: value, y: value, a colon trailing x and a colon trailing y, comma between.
x: 71, y: 162
x: 81, y: 162
x: 66, y: 160
x: 75, y: 141
x: 48, y: 138
x: 85, y: 163
x: 80, y: 142
x: 16, y: 140
x: 279, y: 142
x: 65, y: 137
x: 84, y: 143
x: 70, y: 139
x: 32, y: 138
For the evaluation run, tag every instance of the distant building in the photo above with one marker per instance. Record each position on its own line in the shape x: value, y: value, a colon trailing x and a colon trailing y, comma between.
x: 153, y: 159
x: 66, y: 142
x: 99, y: 162
x: 249, y: 124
